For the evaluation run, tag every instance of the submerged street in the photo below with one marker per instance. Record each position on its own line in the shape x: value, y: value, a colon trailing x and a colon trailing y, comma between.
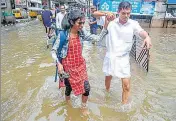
x: 29, y: 93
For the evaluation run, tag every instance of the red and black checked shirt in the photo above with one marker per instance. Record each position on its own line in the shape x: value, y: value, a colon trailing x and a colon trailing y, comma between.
x: 75, y: 65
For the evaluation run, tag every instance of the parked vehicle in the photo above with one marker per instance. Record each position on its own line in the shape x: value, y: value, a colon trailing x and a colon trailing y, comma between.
x: 34, y: 12
x: 20, y: 13
x: 8, y: 18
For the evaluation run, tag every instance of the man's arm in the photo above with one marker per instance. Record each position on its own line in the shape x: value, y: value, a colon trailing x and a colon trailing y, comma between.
x: 147, y: 39
x: 110, y: 16
x: 143, y: 34
x: 99, y: 13
x: 57, y: 20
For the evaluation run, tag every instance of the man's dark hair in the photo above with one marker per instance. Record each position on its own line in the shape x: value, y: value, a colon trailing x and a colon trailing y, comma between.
x: 124, y: 5
x: 62, y: 6
x: 71, y: 17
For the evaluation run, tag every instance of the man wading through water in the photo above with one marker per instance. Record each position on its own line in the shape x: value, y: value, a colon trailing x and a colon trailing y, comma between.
x: 68, y: 54
x: 118, y: 46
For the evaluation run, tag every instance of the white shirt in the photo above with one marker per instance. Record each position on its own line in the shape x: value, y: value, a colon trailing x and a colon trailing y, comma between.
x: 101, y: 21
x: 119, y: 39
x: 59, y: 17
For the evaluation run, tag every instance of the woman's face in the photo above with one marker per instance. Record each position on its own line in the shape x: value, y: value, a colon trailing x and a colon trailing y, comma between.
x: 79, y: 23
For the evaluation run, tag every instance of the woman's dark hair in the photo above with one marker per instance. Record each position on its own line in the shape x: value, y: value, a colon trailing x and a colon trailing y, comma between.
x: 71, y: 17
x: 124, y: 5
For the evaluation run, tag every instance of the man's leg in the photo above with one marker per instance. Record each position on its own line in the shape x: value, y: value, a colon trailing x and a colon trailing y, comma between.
x: 91, y: 30
x: 49, y: 31
x: 126, y: 90
x: 57, y: 31
x: 46, y: 29
x: 108, y: 82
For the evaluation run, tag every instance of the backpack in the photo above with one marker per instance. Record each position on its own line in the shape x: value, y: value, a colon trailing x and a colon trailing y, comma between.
x: 63, y: 42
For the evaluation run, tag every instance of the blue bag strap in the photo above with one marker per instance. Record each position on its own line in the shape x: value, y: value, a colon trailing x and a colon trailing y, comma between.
x: 63, y: 38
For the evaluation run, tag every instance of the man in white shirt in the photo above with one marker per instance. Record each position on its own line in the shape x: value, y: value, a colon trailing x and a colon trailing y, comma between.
x: 59, y: 17
x: 118, y: 45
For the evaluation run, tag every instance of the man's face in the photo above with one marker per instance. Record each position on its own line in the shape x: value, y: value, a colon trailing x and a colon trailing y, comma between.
x: 93, y: 10
x: 124, y: 14
x: 62, y: 8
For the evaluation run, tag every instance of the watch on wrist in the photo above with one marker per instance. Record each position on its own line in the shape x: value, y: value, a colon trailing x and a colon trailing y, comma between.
x: 106, y: 14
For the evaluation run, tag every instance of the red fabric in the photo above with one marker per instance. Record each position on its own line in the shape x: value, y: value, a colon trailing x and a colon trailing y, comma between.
x: 75, y: 65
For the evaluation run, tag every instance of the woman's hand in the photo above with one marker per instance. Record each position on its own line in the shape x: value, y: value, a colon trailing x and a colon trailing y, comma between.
x: 60, y: 68
x: 110, y: 16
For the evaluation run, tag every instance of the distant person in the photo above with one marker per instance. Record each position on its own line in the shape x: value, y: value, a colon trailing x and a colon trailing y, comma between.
x: 59, y: 17
x: 100, y: 21
x: 57, y: 10
x: 46, y: 17
x: 93, y: 22
x: 53, y: 10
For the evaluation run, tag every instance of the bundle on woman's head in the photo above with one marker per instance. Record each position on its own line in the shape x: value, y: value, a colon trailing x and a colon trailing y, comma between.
x: 70, y: 18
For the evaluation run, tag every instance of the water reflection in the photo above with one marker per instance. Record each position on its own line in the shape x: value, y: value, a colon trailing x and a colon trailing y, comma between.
x: 30, y: 93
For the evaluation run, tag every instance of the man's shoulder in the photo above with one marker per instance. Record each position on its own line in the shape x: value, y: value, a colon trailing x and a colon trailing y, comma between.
x: 131, y: 21
x: 112, y: 23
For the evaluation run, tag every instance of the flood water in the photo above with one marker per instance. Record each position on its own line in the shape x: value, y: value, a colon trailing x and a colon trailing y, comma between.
x: 29, y: 93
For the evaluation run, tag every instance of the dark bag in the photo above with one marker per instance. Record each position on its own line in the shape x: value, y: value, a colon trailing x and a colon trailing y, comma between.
x: 65, y: 23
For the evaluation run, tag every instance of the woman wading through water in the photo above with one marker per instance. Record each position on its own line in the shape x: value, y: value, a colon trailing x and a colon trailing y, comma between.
x: 67, y: 51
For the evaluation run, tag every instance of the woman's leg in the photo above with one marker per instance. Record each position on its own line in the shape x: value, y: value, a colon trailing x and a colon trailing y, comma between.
x: 67, y: 90
x: 85, y: 98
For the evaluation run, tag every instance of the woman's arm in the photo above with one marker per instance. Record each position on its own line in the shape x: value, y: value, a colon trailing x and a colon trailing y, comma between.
x: 89, y: 37
x: 54, y: 49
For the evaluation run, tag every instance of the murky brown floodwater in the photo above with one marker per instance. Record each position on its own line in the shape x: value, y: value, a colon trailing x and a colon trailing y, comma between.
x: 29, y: 92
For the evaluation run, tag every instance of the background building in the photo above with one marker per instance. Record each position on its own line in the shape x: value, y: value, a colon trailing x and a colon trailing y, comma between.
x: 6, y: 5
x: 34, y: 4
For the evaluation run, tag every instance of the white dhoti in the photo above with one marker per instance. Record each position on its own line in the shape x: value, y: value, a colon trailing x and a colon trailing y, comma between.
x: 117, y: 66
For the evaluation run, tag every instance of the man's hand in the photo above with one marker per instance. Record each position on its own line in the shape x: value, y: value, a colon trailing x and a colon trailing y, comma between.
x: 60, y: 68
x: 110, y: 16
x: 147, y: 41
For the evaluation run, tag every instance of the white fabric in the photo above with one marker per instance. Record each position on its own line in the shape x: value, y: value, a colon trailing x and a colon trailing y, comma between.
x: 116, y: 66
x: 119, y: 41
x: 53, y: 12
x: 101, y: 21
x: 59, y: 17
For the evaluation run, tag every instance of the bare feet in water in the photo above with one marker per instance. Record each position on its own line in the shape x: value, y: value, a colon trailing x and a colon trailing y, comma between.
x: 68, y: 102
x: 85, y: 110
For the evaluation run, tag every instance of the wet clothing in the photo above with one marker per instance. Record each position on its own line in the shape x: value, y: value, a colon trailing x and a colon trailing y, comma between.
x: 46, y: 17
x: 69, y: 88
x: 75, y: 65
x: 119, y: 42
